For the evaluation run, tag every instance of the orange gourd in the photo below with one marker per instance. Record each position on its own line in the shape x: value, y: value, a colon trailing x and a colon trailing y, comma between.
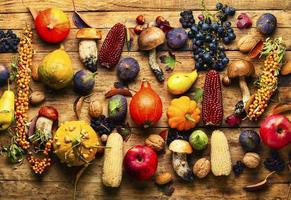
x: 183, y: 113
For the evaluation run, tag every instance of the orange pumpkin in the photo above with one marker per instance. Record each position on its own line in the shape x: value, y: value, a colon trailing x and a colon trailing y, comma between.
x: 183, y: 113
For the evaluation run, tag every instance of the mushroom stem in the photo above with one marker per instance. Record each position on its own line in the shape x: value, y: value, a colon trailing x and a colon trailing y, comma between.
x: 244, y: 89
x: 158, y: 72
x: 45, y: 126
x: 181, y: 166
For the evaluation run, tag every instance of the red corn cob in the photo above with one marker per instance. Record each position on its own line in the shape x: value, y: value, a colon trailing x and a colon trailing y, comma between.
x: 112, y: 46
x: 212, y: 108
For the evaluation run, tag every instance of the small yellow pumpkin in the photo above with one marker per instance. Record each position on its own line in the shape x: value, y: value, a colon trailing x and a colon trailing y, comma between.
x: 183, y: 113
x: 76, y: 143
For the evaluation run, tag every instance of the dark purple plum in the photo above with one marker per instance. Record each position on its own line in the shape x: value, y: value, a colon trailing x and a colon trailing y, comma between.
x: 127, y: 69
x: 249, y: 140
x: 4, y: 75
x: 177, y: 38
x: 117, y: 108
x: 267, y: 23
x: 84, y: 81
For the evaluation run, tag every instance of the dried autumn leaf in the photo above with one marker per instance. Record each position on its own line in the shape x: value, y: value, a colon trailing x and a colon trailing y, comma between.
x: 169, y: 60
x: 79, y: 21
x: 33, y: 12
x: 196, y: 94
x: 78, y: 106
x: 129, y: 39
x: 281, y: 107
x: 257, y: 49
x: 121, y: 91
x: 260, y: 185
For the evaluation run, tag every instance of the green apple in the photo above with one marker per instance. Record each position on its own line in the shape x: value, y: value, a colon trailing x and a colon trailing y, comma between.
x: 198, y: 139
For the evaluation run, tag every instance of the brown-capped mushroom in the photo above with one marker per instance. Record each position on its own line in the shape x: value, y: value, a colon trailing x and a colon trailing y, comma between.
x: 180, y: 149
x: 148, y: 40
x: 241, y: 69
x: 88, y: 47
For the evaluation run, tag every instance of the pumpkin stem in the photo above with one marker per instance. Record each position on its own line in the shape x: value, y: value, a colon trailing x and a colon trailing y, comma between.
x: 50, y: 26
x: 145, y: 84
x: 189, y: 118
x: 147, y: 125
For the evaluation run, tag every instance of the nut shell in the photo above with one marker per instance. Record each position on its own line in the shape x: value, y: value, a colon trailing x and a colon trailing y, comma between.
x: 251, y: 160
x: 36, y: 98
x: 95, y: 108
x: 156, y: 142
x: 164, y: 178
x: 246, y: 43
x: 202, y: 168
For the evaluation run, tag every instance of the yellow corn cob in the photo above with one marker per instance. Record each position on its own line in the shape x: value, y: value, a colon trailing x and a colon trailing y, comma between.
x: 220, y: 155
x: 113, y: 158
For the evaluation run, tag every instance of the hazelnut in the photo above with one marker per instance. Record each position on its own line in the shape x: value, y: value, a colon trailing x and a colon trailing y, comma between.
x: 163, y: 178
x: 201, y: 168
x: 95, y: 108
x: 156, y: 142
x: 36, y: 98
x: 251, y: 160
x: 246, y: 43
x: 140, y: 19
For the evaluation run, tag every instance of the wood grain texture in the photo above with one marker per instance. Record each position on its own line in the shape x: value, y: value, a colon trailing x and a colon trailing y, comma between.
x: 59, y: 179
x: 105, y: 79
x: 72, y: 44
x: 139, y: 5
x: 106, y: 20
x: 20, y: 183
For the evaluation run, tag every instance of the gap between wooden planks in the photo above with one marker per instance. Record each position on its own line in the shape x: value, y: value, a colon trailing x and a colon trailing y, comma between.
x: 105, y: 79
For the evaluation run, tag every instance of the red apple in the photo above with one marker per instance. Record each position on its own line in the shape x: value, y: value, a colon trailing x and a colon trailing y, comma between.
x: 140, y: 162
x: 52, y: 25
x: 275, y: 131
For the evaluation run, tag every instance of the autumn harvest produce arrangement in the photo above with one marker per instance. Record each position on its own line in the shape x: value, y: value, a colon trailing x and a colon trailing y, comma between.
x: 195, y: 116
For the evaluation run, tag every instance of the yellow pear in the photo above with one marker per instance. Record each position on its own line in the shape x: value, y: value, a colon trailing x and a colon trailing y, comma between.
x: 56, y: 69
x: 6, y: 109
x: 178, y: 83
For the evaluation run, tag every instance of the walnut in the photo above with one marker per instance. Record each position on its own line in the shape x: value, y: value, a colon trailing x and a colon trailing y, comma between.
x: 251, y: 160
x: 201, y: 168
x: 164, y: 178
x: 246, y: 43
x: 95, y: 108
x: 156, y: 142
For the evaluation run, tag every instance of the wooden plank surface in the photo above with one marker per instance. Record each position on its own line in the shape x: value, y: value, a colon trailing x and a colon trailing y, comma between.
x: 136, y: 5
x: 20, y: 183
